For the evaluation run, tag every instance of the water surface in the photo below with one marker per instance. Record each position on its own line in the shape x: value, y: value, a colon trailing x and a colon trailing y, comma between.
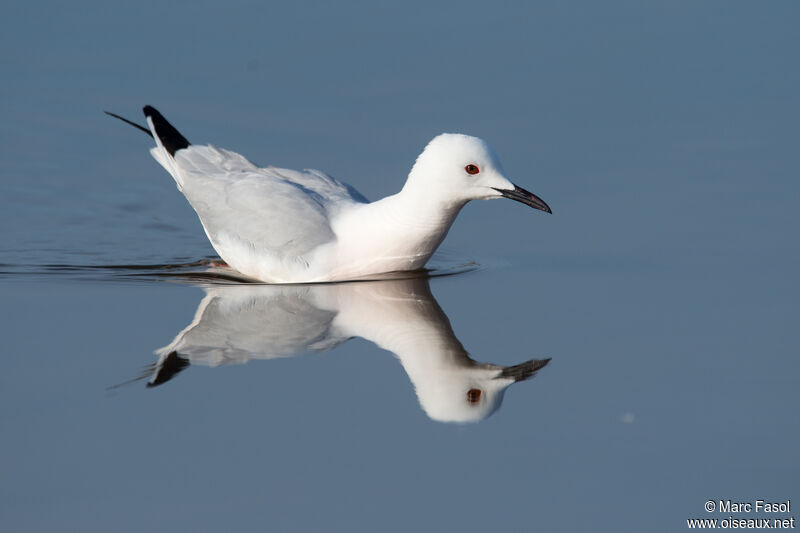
x: 663, y: 288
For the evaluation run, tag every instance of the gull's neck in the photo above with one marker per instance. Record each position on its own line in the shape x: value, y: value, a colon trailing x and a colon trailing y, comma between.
x: 404, y: 318
x: 417, y: 206
x: 399, y: 232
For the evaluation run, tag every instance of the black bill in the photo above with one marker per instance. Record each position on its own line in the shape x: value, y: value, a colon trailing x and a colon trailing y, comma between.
x: 528, y: 198
x: 523, y: 371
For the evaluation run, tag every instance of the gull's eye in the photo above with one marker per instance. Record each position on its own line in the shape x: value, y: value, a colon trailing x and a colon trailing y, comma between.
x: 474, y: 396
x: 472, y: 169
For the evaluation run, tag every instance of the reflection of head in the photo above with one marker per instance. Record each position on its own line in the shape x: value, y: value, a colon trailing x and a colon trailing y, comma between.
x: 471, y: 393
x: 234, y: 324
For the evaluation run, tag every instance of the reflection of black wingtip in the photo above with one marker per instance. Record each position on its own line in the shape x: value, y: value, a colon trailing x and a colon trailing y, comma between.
x: 525, y: 370
x: 170, y: 137
x: 169, y: 367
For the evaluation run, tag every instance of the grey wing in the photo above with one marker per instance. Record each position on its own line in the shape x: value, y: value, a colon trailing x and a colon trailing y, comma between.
x: 284, y: 213
x: 236, y: 324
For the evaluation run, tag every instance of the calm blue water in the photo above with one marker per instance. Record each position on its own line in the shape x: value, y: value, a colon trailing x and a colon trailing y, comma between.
x: 663, y: 288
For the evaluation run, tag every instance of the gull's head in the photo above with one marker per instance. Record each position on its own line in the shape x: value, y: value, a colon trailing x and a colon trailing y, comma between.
x: 464, y: 168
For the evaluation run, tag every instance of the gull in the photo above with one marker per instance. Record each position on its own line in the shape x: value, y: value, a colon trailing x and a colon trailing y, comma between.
x: 235, y: 324
x: 296, y: 226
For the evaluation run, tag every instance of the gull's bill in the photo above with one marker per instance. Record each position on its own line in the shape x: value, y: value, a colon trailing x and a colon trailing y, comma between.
x: 526, y: 197
x: 523, y: 371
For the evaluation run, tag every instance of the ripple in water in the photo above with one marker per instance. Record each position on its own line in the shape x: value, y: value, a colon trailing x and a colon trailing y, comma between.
x: 207, y: 270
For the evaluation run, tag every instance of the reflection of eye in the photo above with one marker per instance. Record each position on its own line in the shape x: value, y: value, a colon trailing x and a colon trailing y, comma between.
x: 474, y: 395
x: 472, y: 169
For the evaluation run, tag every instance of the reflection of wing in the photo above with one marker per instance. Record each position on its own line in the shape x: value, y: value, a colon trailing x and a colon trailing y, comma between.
x: 280, y: 213
x: 236, y: 324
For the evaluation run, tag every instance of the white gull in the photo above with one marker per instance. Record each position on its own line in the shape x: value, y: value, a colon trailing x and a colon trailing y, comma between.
x: 289, y: 226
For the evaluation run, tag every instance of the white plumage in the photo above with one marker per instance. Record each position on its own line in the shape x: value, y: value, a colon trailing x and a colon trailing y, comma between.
x: 236, y: 324
x: 285, y: 226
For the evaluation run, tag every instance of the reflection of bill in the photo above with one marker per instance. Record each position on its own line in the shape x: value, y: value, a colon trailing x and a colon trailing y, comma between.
x: 234, y: 324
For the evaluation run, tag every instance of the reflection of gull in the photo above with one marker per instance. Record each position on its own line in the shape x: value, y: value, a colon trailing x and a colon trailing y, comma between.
x: 234, y: 324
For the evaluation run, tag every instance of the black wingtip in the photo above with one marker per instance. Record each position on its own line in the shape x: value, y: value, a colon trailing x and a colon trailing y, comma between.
x: 125, y: 120
x: 167, y: 134
x: 171, y: 365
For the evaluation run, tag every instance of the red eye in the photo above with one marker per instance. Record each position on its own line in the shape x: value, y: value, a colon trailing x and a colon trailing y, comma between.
x: 474, y: 396
x: 472, y: 169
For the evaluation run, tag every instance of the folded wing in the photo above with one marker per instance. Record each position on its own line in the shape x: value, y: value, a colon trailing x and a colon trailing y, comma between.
x: 279, y: 212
